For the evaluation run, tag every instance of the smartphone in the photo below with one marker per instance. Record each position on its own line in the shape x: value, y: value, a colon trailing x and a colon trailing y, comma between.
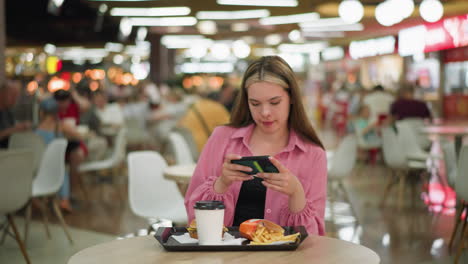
x: 257, y: 163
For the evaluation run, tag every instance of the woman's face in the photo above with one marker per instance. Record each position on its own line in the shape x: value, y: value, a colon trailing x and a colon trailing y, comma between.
x: 269, y: 105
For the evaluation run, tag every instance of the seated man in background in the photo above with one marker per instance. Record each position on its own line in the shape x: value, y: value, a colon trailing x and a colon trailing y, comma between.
x: 406, y: 106
x: 9, y: 92
x: 110, y: 114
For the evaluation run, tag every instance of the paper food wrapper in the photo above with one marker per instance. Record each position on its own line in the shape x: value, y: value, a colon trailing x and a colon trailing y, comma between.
x: 228, y: 239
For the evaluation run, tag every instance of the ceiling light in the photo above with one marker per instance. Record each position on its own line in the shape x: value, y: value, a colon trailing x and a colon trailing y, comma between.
x: 295, y: 35
x: 125, y: 26
x: 197, y: 51
x: 240, y: 49
x: 325, y: 22
x: 388, y: 13
x: 157, y: 11
x: 352, y: 27
x: 273, y: 39
x: 290, y: 19
x: 113, y: 47
x: 259, y: 2
x: 431, y: 10
x: 207, y: 27
x: 323, y: 34
x: 407, y: 7
x: 351, y: 11
x: 184, y: 41
x: 164, y: 21
x: 240, y: 27
x: 118, y: 59
x: 226, y: 15
x: 302, y: 48
x: 142, y: 33
x: 220, y: 51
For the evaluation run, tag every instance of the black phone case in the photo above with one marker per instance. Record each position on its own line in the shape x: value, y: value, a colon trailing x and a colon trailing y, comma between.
x: 263, y: 161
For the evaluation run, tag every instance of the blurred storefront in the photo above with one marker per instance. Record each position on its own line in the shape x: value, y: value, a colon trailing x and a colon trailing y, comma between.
x: 436, y: 61
x: 378, y: 62
x: 456, y: 83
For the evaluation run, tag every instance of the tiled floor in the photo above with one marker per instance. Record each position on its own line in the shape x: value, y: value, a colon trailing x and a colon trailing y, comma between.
x: 412, y: 235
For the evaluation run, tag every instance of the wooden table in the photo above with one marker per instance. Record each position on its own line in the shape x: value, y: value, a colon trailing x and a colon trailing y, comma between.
x: 142, y: 250
x: 449, y: 130
x: 181, y: 174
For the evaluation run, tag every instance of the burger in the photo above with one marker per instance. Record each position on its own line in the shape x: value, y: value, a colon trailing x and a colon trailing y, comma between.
x: 253, y: 228
x: 192, y: 229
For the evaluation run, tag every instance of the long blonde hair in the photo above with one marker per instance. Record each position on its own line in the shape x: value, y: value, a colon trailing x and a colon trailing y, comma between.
x: 275, y: 70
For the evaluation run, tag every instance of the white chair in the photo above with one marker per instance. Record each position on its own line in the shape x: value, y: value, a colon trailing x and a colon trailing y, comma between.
x: 410, y: 144
x: 417, y: 124
x: 180, y: 148
x: 47, y: 183
x: 114, y: 160
x: 341, y: 165
x: 31, y: 141
x: 450, y: 161
x: 152, y: 196
x: 461, y: 188
x: 15, y: 188
x: 395, y: 158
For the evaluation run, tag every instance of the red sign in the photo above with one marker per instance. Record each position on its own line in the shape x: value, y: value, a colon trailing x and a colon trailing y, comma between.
x: 453, y: 55
x: 447, y: 33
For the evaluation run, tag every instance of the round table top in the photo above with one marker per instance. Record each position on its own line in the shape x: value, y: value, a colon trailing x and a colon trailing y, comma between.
x: 180, y: 173
x: 142, y: 250
x: 446, y: 129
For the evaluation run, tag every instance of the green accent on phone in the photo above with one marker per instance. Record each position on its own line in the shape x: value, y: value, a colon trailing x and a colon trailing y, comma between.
x: 257, y: 166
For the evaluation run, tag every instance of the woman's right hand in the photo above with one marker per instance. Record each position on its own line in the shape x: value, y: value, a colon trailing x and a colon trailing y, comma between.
x: 231, y: 172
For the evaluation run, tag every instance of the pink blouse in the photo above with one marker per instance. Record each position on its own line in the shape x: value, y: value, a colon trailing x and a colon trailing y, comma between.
x: 305, y: 160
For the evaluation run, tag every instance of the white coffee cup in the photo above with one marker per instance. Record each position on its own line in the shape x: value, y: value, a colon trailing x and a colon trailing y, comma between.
x: 210, y: 222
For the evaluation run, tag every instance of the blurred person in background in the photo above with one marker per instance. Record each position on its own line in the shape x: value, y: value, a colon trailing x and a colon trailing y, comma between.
x: 9, y: 93
x: 110, y: 114
x: 166, y: 116
x: 379, y: 102
x: 226, y: 96
x: 268, y: 119
x: 49, y: 128
x: 70, y: 105
x: 367, y: 129
x: 406, y: 106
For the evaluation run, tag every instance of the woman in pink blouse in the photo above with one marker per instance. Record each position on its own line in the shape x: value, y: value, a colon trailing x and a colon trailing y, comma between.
x: 268, y: 119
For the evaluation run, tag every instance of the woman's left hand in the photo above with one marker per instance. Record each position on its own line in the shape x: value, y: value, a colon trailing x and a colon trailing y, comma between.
x: 284, y: 181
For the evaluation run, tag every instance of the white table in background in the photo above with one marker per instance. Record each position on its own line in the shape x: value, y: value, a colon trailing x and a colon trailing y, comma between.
x: 181, y: 174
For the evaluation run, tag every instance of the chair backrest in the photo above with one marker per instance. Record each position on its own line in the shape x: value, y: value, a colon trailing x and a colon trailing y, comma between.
x: 120, y: 147
x: 51, y: 171
x: 31, y: 141
x: 15, y: 179
x: 461, y: 182
x: 151, y: 195
x: 344, y: 158
x: 416, y: 125
x: 180, y: 148
x: 450, y: 160
x: 408, y: 139
x: 392, y: 149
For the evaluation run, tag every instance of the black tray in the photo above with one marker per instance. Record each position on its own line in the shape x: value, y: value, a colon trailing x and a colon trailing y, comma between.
x: 163, y: 235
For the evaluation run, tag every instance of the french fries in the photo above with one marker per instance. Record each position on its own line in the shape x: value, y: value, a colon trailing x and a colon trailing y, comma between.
x: 263, y: 232
x: 263, y: 236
